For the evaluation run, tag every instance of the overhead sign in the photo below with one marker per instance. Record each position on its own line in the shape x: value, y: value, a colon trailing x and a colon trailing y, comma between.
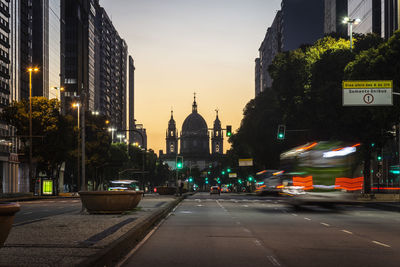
x: 245, y: 162
x: 367, y: 93
x: 232, y: 175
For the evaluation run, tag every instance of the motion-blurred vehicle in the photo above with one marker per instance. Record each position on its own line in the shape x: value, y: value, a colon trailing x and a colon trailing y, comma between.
x: 215, y: 190
x: 123, y: 185
x: 278, y: 184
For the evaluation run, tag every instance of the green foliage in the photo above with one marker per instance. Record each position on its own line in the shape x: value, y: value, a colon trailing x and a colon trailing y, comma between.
x: 307, y: 94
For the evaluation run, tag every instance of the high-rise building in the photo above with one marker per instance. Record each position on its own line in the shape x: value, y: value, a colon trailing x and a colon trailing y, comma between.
x: 302, y: 23
x: 79, y: 51
x: 391, y: 12
x: 46, y: 48
x: 335, y: 12
x: 131, y: 101
x: 298, y: 22
x: 370, y: 14
x: 113, y: 72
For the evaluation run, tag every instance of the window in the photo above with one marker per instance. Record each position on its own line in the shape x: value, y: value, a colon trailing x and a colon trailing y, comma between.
x: 217, y: 148
x: 172, y: 148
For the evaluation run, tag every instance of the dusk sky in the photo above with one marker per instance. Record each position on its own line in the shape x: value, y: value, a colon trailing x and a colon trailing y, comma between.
x: 186, y: 46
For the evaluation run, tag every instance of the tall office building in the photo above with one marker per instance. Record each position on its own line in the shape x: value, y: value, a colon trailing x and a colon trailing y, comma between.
x: 302, y: 23
x: 298, y: 22
x: 10, y: 180
x: 46, y: 48
x: 131, y: 101
x: 79, y: 35
x: 113, y: 72
x: 335, y: 12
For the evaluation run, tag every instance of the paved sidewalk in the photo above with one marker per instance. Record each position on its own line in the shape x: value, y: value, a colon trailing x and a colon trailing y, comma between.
x: 81, y: 239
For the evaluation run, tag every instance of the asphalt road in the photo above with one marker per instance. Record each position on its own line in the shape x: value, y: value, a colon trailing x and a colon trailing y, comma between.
x: 232, y: 230
x: 36, y: 210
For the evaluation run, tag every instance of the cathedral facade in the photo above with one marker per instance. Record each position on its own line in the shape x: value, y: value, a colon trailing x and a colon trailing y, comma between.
x: 194, y: 141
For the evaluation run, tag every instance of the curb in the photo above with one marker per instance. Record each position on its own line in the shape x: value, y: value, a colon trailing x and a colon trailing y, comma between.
x: 113, y: 253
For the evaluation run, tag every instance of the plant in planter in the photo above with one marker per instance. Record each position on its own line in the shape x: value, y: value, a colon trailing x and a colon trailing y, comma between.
x: 7, y: 213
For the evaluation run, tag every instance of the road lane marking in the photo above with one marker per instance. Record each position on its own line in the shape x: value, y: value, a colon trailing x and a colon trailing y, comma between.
x: 29, y: 212
x: 308, y: 219
x: 258, y: 243
x: 294, y: 214
x: 327, y: 225
x: 200, y: 205
x: 246, y: 230
x: 273, y: 261
x: 237, y: 222
x: 347, y: 232
x: 246, y: 206
x: 381, y: 244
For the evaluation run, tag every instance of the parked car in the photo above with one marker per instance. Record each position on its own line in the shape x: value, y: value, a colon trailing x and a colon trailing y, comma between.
x: 215, y: 190
x: 123, y: 185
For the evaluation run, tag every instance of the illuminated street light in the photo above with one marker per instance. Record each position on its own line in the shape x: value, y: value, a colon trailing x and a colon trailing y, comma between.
x: 112, y: 130
x: 95, y: 113
x: 351, y: 22
x: 120, y: 136
x: 30, y: 70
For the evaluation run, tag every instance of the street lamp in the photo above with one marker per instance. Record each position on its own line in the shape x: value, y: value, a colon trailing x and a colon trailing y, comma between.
x: 30, y: 70
x: 112, y: 130
x: 120, y: 136
x: 351, y: 22
x: 78, y: 105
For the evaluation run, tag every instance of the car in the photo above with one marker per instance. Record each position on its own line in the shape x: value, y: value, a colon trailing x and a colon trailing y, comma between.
x: 123, y: 185
x: 215, y: 190
x: 281, y: 184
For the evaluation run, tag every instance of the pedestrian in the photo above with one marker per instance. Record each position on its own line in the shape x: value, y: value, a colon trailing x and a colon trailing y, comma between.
x: 180, y: 186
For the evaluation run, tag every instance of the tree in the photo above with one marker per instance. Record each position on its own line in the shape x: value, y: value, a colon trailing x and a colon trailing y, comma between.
x: 52, y: 133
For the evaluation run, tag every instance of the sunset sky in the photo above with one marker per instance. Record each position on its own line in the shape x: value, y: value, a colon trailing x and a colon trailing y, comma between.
x: 186, y: 46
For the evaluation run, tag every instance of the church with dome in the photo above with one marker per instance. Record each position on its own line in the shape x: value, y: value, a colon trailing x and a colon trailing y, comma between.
x: 194, y: 141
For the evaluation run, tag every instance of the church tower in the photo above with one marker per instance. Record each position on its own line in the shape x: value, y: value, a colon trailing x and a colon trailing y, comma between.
x: 217, y: 139
x: 172, y: 137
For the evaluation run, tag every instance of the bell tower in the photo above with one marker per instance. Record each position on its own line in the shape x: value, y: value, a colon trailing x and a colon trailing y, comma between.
x: 217, y: 139
x: 172, y: 137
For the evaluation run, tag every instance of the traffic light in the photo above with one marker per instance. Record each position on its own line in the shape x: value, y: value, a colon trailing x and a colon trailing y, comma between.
x: 250, y: 178
x: 179, y: 162
x: 190, y: 179
x: 281, y: 132
x: 228, y: 170
x: 223, y: 172
x: 228, y: 130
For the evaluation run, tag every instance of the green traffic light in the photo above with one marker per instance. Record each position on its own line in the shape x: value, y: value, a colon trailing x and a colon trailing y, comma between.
x: 223, y: 172
x: 379, y: 158
x: 228, y: 170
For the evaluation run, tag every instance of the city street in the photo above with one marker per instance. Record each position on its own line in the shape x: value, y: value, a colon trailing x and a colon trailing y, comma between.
x: 239, y: 230
x: 33, y: 211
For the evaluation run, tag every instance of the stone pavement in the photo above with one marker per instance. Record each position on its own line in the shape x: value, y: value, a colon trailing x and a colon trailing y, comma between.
x: 76, y: 239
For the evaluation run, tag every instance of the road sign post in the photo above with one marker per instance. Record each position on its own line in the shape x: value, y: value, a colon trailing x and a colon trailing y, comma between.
x: 367, y: 93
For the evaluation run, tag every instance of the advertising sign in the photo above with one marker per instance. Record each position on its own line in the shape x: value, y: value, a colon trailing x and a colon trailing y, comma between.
x: 245, y: 162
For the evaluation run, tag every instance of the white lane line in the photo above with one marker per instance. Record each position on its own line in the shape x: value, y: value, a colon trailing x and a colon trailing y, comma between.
x: 381, y: 244
x: 347, y: 232
x: 246, y: 206
x: 29, y: 212
x: 294, y: 214
x: 246, y: 230
x: 200, y: 205
x: 327, y: 225
x: 308, y: 219
x: 273, y: 261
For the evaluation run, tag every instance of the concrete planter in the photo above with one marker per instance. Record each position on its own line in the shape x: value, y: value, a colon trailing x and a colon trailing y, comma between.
x: 110, y: 202
x: 7, y: 212
x: 163, y: 190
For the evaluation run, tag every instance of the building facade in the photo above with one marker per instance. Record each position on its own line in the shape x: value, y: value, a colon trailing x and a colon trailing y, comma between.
x: 131, y: 99
x: 335, y: 12
x: 194, y: 141
x: 377, y: 16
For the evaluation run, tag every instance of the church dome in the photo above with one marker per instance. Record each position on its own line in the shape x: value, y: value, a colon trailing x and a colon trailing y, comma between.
x: 194, y: 124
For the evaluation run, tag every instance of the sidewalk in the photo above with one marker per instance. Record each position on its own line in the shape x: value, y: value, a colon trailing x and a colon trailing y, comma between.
x: 83, y: 240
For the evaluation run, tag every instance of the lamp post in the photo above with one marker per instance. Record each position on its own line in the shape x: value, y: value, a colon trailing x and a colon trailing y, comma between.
x: 112, y: 130
x: 77, y: 105
x: 30, y: 70
x: 351, y: 22
x: 120, y: 136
